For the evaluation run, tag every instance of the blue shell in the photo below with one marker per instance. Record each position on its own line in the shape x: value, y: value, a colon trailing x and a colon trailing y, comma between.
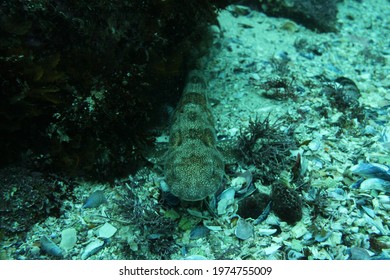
x: 50, y: 247
x: 199, y: 232
x: 372, y: 170
x: 263, y: 216
x: 95, y: 200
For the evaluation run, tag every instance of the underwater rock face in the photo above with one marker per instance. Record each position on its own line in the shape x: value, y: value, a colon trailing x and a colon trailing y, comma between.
x: 56, y: 99
x: 193, y: 165
x: 315, y: 14
x: 286, y: 204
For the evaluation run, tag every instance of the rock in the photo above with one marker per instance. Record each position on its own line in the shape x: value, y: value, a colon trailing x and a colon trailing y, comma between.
x: 315, y: 14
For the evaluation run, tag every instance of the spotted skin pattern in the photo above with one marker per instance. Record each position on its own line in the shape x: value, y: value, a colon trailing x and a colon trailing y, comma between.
x: 194, y: 167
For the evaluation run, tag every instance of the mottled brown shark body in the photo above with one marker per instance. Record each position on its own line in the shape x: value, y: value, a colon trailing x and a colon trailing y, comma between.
x: 194, y: 167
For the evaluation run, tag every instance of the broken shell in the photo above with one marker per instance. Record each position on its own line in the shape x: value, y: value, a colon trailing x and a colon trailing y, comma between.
x: 92, y: 248
x: 263, y: 216
x: 195, y: 258
x: 226, y: 199
x: 199, y: 232
x: 106, y: 231
x: 337, y: 194
x: 372, y: 170
x: 375, y: 184
x: 369, y: 211
x: 50, y: 247
x: 376, y: 223
x: 238, y: 183
x: 211, y: 226
x: 322, y: 235
x: 298, y: 230
x: 244, y: 230
x: 294, y: 255
x: 358, y: 253
x: 68, y: 238
x: 315, y: 145
x: 227, y: 194
x: 271, y: 249
x: 334, y: 239
x: 95, y: 200
x: 384, y: 201
x: 267, y: 231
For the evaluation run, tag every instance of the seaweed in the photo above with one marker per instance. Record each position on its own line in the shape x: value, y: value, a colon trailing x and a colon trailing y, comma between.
x: 155, y: 231
x: 343, y: 94
x: 266, y: 146
x: 88, y: 97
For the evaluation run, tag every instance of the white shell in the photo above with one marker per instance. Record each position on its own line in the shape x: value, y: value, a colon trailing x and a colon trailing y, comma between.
x: 315, y: 145
x: 68, y: 238
x: 92, y: 248
x: 238, y: 182
x: 226, y: 200
x: 266, y: 231
x: 244, y: 230
x: 298, y: 230
x: 195, y: 258
x: 106, y: 231
x: 271, y: 249
x: 375, y: 184
x: 384, y: 201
